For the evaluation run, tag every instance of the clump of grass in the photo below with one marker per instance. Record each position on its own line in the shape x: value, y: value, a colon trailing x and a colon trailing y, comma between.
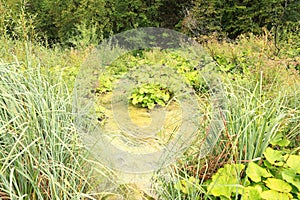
x: 40, y: 156
x: 251, y: 118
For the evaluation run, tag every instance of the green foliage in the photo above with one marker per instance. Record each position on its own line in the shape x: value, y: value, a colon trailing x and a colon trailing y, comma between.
x: 280, y: 140
x: 68, y: 22
x: 61, y: 20
x: 84, y: 22
x: 256, y: 115
x: 100, y: 114
x: 293, y: 162
x: 131, y: 14
x: 251, y: 192
x: 105, y: 84
x: 149, y: 95
x: 267, y: 181
x: 157, y: 93
x: 87, y: 33
x: 279, y: 185
x: 274, y: 157
x: 237, y: 65
x: 236, y: 17
x: 255, y: 172
x: 252, y: 119
x: 204, y: 18
x: 272, y: 194
x: 16, y: 22
x: 251, y: 125
x: 226, y: 181
x: 189, y: 70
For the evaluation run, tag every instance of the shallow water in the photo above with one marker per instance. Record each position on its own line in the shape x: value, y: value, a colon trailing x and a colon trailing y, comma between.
x: 153, y: 133
x: 143, y: 129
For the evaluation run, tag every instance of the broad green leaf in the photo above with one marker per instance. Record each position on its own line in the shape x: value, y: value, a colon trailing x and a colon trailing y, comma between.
x: 294, y: 162
x: 284, y: 142
x: 251, y: 192
x: 291, y: 176
x: 255, y: 172
x: 274, y: 157
x: 225, y: 181
x: 274, y: 195
x: 278, y: 185
x: 280, y: 140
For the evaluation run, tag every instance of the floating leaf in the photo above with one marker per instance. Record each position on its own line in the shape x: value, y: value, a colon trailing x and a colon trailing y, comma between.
x: 274, y: 195
x: 278, y: 185
x: 280, y: 140
x: 274, y: 157
x: 255, y: 172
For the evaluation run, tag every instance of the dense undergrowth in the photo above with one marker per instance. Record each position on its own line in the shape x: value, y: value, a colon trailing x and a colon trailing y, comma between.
x: 41, y: 156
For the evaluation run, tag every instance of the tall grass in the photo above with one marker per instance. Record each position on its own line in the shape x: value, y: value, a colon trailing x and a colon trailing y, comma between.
x: 40, y: 156
x: 252, y: 117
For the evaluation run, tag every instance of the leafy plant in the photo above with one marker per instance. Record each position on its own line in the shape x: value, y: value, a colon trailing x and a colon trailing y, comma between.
x: 226, y: 182
x: 105, y: 84
x: 150, y: 95
x: 277, y: 177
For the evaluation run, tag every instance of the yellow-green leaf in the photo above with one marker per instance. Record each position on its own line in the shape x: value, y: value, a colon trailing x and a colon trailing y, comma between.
x: 294, y: 162
x: 290, y: 176
x: 280, y: 140
x: 278, y: 185
x: 250, y: 193
x: 274, y: 195
x: 225, y: 181
x: 255, y: 172
x: 274, y: 157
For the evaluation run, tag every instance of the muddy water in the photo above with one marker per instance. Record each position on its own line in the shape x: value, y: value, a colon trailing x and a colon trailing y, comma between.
x: 146, y: 140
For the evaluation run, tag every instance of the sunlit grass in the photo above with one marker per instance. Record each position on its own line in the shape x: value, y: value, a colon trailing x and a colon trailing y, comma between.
x: 40, y: 156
